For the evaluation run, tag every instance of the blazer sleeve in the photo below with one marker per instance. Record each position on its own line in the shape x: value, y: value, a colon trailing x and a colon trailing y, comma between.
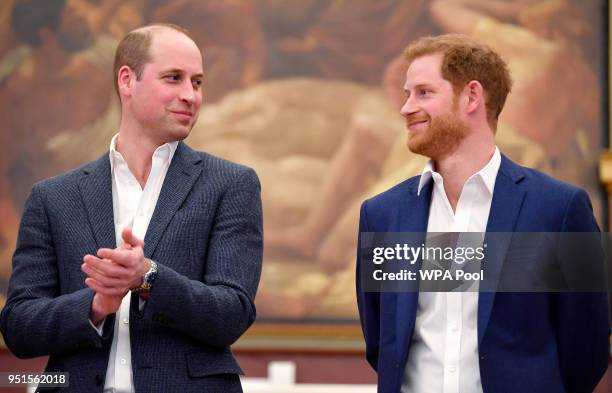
x: 219, y: 309
x: 368, y: 302
x: 37, y: 320
x: 582, y: 318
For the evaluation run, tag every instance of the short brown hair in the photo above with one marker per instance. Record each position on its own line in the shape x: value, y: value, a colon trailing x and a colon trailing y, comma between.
x: 133, y: 50
x: 464, y: 60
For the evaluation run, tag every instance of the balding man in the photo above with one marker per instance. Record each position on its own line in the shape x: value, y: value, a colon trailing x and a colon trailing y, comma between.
x: 136, y: 272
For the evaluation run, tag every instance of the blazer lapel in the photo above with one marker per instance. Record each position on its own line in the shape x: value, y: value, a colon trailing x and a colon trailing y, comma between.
x: 180, y: 178
x: 508, y: 196
x: 413, y: 217
x: 97, y: 193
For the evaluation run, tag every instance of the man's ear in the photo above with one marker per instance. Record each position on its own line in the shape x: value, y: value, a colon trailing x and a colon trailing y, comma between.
x: 475, y: 95
x: 125, y: 81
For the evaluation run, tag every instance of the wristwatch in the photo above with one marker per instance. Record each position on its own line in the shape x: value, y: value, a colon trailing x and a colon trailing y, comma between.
x: 148, y: 278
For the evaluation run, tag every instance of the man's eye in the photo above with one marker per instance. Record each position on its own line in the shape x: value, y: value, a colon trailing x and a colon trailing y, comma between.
x: 173, y: 77
x: 424, y: 92
x: 197, y: 83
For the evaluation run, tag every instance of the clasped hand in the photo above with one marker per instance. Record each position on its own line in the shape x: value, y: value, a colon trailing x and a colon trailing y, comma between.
x: 113, y: 272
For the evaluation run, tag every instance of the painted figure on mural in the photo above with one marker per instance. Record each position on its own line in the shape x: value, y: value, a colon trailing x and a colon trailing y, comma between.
x: 39, y: 95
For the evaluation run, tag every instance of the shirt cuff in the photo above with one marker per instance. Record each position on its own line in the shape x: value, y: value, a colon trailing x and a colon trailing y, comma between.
x: 99, y: 327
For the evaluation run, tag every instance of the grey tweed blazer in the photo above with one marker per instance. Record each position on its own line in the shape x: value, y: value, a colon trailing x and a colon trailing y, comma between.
x: 206, y: 236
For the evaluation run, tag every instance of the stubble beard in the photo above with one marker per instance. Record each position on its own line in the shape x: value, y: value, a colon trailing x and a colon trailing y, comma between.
x: 440, y: 139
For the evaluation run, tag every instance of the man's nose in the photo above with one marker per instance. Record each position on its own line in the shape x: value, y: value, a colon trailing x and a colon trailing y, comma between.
x: 188, y: 92
x: 409, y: 107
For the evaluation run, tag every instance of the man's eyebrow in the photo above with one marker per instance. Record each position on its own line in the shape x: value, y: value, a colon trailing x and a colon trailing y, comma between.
x: 170, y: 70
x: 180, y: 71
x: 418, y: 86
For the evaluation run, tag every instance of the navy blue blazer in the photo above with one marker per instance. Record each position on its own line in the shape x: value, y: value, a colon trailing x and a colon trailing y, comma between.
x: 527, y: 342
x: 206, y: 237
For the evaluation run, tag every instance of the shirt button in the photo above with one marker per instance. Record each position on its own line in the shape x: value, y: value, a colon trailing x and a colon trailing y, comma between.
x: 126, y: 321
x: 123, y: 361
x: 453, y: 327
x: 452, y: 369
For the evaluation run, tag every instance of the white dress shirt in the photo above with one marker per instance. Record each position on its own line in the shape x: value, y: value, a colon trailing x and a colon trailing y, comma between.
x: 132, y: 208
x: 443, y: 354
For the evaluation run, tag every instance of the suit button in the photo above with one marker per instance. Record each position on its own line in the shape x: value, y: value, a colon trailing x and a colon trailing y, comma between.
x: 482, y: 357
x: 99, y: 380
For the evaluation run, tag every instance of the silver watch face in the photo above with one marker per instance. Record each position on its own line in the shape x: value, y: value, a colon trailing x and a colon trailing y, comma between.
x: 150, y: 276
